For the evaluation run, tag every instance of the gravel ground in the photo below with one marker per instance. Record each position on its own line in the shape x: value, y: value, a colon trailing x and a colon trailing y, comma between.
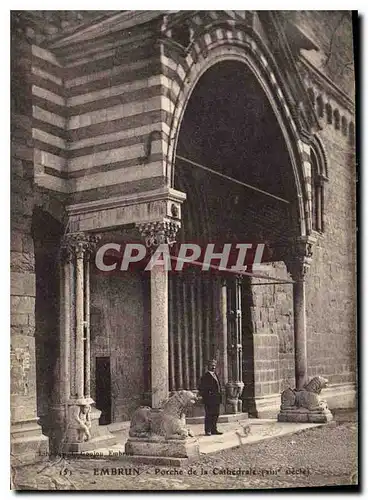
x: 323, y: 456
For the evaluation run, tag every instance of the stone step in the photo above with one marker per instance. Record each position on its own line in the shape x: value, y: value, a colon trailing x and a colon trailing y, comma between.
x: 233, y: 436
x: 225, y: 418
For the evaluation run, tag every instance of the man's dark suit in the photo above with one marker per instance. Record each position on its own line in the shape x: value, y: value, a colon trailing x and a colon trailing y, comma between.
x: 210, y: 390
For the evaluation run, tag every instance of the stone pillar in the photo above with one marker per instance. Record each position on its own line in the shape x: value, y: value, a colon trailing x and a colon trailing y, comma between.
x: 87, y: 330
x: 235, y: 385
x: 79, y: 320
x: 223, y: 319
x: 302, y: 404
x: 159, y: 336
x: 75, y: 422
x: 156, y: 233
x: 300, y: 334
x: 65, y: 307
x: 298, y: 264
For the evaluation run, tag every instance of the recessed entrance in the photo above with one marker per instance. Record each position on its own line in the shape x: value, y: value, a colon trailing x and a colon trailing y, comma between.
x: 103, y: 389
x: 229, y: 137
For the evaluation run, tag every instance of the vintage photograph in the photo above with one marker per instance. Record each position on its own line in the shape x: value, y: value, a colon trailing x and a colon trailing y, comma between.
x: 183, y: 250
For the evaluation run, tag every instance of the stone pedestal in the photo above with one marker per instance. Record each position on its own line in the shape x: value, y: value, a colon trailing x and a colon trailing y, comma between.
x: 163, y: 451
x: 305, y: 405
x: 305, y: 415
x: 84, y: 432
x: 28, y: 444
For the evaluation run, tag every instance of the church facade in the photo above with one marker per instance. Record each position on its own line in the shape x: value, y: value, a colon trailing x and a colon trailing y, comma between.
x: 183, y: 126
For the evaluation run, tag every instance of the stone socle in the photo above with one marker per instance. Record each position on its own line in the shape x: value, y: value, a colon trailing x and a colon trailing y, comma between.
x: 305, y: 405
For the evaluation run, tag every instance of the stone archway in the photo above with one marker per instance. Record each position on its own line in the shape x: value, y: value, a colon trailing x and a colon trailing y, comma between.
x: 280, y: 169
x: 212, y: 47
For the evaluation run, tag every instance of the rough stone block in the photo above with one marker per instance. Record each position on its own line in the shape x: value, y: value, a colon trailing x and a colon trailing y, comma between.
x: 22, y: 262
x: 16, y: 241
x: 23, y: 284
x: 23, y: 330
x: 178, y: 448
x: 19, y: 320
x: 22, y: 304
x: 305, y: 415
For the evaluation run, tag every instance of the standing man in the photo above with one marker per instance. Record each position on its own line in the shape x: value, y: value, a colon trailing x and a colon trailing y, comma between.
x: 210, y: 390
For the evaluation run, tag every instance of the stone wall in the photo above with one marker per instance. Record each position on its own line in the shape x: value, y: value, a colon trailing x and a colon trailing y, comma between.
x: 25, y: 445
x: 331, y: 283
x: 117, y: 331
x: 268, y: 334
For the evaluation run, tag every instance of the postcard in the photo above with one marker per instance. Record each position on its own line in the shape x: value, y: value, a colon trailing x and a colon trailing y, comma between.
x: 183, y: 250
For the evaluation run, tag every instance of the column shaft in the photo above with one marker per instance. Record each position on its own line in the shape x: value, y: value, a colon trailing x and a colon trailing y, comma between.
x: 193, y: 334
x: 300, y: 334
x: 186, y: 333
x: 65, y: 331
x: 79, y: 327
x: 87, y: 360
x: 198, y: 291
x: 159, y: 336
x: 172, y: 323
x: 223, y: 313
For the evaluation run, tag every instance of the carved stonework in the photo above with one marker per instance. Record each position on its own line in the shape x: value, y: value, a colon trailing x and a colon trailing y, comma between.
x: 233, y: 392
x: 79, y: 245
x: 20, y: 367
x: 80, y: 422
x: 159, y: 232
x: 305, y: 405
x: 167, y: 422
x: 299, y: 257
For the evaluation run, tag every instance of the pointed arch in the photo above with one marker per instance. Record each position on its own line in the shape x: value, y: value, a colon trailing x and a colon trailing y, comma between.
x: 220, y: 45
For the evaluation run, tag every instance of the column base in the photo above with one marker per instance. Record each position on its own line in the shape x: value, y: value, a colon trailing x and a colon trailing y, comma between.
x: 304, y: 415
x: 28, y: 444
x: 73, y: 431
x: 263, y: 406
x: 164, y: 452
x: 99, y: 435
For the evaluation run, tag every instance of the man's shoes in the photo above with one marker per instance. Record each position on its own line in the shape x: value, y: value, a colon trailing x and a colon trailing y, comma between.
x: 208, y: 434
x: 217, y: 433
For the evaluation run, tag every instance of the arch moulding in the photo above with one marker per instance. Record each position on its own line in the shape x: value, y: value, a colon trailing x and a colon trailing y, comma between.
x: 218, y: 46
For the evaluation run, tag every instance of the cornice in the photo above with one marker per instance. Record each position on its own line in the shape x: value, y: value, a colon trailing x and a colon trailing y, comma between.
x: 166, y: 193
x: 109, y: 24
x: 325, y: 82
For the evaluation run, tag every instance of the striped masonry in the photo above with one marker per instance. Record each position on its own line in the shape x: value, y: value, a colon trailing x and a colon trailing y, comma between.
x: 107, y: 118
x: 100, y: 123
x: 214, y: 34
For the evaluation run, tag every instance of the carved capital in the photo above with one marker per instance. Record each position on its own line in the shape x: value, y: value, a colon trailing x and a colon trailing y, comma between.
x: 158, y: 232
x: 299, y: 258
x: 78, y: 245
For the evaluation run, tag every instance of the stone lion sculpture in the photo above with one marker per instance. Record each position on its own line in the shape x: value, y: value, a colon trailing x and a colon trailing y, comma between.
x: 167, y: 422
x: 308, y: 397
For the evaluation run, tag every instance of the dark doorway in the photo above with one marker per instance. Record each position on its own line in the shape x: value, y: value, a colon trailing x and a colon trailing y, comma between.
x: 103, y: 389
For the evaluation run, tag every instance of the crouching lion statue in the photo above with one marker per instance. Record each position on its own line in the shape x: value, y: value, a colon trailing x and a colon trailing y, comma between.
x: 308, y: 397
x: 167, y: 422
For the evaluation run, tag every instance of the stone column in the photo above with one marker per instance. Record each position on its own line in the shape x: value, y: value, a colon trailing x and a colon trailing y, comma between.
x: 235, y: 385
x: 87, y: 332
x: 79, y: 320
x: 223, y: 316
x: 302, y: 404
x: 156, y: 233
x: 75, y: 398
x: 298, y: 264
x: 65, y: 307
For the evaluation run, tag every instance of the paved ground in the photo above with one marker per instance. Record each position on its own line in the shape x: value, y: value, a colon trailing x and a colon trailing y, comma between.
x: 322, y: 456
